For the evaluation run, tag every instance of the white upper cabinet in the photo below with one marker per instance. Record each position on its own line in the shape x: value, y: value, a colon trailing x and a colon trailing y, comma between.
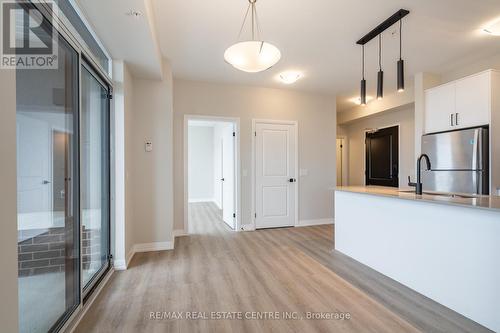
x: 473, y: 102
x: 459, y: 104
x: 439, y: 108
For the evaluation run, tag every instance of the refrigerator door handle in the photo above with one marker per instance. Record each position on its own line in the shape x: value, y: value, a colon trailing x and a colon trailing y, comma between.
x: 476, y: 153
x: 475, y: 181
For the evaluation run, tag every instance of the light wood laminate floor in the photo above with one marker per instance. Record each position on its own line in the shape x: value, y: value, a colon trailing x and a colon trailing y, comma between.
x: 291, y: 270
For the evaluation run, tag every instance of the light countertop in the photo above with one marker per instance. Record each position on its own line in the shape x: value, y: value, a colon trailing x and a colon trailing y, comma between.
x: 479, y: 201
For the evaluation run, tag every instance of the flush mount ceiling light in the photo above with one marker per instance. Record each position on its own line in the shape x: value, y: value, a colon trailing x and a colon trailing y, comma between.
x: 255, y: 55
x: 493, y: 28
x: 290, y: 77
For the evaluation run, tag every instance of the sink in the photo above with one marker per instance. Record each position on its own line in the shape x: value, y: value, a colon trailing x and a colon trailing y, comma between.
x: 448, y: 195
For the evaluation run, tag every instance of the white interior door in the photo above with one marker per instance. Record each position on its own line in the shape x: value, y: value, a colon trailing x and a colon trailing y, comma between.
x: 33, y: 172
x: 275, y: 175
x: 228, y: 176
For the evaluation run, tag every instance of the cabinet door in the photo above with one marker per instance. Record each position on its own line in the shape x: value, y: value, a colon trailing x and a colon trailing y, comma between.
x: 439, y: 107
x: 473, y: 101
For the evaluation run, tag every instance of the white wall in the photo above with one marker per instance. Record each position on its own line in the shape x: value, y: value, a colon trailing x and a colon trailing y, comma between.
x: 122, y: 229
x: 355, y: 133
x: 391, y: 102
x: 201, y: 163
x: 423, y: 81
x: 149, y: 174
x: 128, y: 88
x: 316, y: 117
x: 464, y: 69
x: 8, y: 203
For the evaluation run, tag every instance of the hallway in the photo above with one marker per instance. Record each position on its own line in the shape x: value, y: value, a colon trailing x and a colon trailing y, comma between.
x: 205, y: 218
x: 290, y: 271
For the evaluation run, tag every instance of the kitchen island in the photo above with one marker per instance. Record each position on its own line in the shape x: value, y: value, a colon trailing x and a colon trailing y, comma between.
x: 446, y: 248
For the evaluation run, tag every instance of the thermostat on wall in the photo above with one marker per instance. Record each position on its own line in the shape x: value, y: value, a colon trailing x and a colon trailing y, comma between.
x: 149, y: 146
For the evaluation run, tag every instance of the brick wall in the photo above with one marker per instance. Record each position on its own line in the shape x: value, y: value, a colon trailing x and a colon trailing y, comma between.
x: 46, y: 253
x: 91, y: 249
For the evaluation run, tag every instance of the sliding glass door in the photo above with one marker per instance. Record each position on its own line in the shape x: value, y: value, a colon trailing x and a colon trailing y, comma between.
x: 47, y: 195
x: 63, y: 181
x: 94, y: 175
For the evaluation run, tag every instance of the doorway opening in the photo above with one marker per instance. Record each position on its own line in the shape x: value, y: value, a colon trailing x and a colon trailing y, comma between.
x: 211, y: 174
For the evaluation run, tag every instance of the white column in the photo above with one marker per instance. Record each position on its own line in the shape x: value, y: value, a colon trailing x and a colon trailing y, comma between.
x: 422, y: 81
x: 118, y: 167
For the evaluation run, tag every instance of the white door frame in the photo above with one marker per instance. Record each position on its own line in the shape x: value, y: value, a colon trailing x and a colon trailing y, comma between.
x: 237, y: 190
x: 295, y: 125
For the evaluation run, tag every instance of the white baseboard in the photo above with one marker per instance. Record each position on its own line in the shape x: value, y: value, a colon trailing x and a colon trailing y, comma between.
x: 121, y: 265
x: 201, y: 200
x: 180, y: 233
x: 218, y: 204
x: 156, y: 246
x: 248, y: 227
x: 308, y: 223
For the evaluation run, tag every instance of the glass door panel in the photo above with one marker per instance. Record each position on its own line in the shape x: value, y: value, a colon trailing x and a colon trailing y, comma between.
x: 94, y: 175
x: 47, y: 178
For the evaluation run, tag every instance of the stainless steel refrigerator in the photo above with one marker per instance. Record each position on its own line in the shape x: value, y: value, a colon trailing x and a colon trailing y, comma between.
x: 459, y: 161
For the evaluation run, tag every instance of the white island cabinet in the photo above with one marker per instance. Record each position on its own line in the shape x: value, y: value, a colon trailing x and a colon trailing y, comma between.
x: 447, y: 249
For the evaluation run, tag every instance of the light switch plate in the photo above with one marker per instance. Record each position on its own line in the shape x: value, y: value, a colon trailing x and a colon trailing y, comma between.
x: 149, y: 146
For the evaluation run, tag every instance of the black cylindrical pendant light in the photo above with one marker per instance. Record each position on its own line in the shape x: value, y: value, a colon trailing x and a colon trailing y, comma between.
x: 380, y: 76
x: 401, y: 70
x: 363, y: 81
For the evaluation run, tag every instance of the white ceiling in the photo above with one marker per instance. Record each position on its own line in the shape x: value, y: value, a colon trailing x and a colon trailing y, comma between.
x: 125, y: 37
x: 318, y: 37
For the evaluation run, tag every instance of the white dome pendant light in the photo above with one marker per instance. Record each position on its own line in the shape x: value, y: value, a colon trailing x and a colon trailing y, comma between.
x: 255, y: 55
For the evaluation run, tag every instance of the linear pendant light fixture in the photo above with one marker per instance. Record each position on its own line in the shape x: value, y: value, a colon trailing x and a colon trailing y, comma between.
x: 398, y: 16
x: 401, y: 71
x: 253, y: 55
x: 363, y: 81
x: 380, y: 75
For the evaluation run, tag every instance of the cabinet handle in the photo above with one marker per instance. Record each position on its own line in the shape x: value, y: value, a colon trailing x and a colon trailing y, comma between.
x: 451, y: 120
x: 456, y: 119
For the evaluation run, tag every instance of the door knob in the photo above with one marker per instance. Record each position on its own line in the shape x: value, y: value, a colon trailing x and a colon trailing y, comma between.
x: 222, y: 179
x: 45, y: 182
x: 292, y: 180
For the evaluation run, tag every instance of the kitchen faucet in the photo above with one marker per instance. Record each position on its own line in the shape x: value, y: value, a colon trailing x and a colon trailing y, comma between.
x: 418, y: 184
